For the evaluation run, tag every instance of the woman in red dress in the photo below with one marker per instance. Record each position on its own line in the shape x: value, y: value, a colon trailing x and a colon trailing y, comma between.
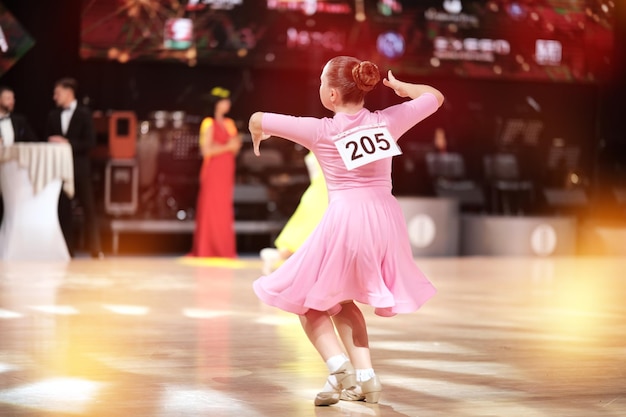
x: 219, y: 143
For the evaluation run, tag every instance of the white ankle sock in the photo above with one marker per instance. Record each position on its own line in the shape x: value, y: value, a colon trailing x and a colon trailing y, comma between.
x: 331, y: 382
x: 363, y: 375
x: 333, y: 364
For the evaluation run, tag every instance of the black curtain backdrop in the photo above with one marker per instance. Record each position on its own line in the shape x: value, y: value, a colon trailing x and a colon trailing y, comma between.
x: 55, y: 27
x: 588, y: 114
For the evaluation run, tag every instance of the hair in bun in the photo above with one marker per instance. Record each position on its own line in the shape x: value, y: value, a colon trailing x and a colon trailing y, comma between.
x: 352, y: 78
x: 366, y: 75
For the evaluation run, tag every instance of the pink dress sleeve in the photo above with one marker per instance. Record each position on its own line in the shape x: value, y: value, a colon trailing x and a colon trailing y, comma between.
x: 401, y: 117
x: 302, y: 130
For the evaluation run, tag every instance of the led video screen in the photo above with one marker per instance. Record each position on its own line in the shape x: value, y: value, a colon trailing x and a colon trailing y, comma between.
x: 14, y: 40
x: 542, y: 40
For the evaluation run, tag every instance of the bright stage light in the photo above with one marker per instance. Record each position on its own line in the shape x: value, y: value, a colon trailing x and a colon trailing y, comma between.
x: 59, y: 310
x: 58, y: 395
x: 6, y: 314
x: 127, y: 310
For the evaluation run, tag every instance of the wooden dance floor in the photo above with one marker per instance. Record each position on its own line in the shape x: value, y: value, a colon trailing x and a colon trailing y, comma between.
x: 169, y: 336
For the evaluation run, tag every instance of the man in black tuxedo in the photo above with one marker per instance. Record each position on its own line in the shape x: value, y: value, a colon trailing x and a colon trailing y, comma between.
x: 13, y: 127
x: 72, y: 123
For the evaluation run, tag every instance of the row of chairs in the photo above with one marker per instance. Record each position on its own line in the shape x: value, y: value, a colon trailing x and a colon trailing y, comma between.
x: 504, y: 190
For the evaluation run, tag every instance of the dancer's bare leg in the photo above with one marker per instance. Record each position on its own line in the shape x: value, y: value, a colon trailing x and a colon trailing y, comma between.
x: 352, y: 329
x: 320, y: 330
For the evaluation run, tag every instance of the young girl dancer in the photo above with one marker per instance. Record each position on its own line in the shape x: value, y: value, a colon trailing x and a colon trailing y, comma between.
x: 360, y: 250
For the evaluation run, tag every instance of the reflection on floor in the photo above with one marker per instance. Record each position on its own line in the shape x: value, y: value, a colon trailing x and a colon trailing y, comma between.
x: 172, y: 336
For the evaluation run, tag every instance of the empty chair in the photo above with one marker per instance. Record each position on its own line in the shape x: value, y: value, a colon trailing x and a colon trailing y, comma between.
x: 252, y: 202
x: 511, y: 193
x: 445, y: 165
x: 447, y: 171
x: 269, y: 158
x: 259, y: 169
x: 254, y: 208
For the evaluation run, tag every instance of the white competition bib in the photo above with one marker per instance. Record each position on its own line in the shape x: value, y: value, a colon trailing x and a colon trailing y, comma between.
x: 365, y: 144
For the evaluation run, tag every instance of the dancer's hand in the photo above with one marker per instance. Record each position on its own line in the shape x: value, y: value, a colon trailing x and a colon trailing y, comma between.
x: 396, y: 85
x: 404, y: 89
x: 256, y: 131
x: 256, y: 142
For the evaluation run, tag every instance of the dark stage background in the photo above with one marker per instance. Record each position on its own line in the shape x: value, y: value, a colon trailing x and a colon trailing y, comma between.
x: 477, y: 116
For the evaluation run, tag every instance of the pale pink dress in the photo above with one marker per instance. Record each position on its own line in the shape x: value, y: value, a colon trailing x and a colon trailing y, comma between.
x: 360, y: 250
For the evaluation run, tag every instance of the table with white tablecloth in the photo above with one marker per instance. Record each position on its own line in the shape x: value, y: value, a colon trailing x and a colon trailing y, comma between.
x: 31, y: 177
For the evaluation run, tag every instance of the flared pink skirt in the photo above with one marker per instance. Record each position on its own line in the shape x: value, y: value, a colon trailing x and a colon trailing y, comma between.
x: 360, y: 251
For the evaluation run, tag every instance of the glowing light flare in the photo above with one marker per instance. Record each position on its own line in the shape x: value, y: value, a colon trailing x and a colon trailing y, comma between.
x: 303, y: 39
x: 493, y: 6
x: 193, y: 401
x: 113, y: 53
x: 192, y: 58
x: 58, y: 310
x: 192, y: 53
x: 7, y: 314
x: 59, y: 395
x: 196, y: 313
x: 389, y: 7
x: 390, y: 44
x: 466, y: 367
x: 135, y: 7
x: 360, y: 11
x: 575, y: 306
x: 276, y: 320
x: 436, y: 347
x: 6, y: 367
x: 123, y: 57
x: 127, y: 310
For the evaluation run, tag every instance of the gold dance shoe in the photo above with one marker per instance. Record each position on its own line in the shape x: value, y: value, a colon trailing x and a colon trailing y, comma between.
x: 368, y: 391
x: 346, y: 380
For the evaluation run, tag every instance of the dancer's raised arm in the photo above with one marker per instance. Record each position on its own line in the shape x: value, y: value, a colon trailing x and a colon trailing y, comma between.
x: 404, y: 89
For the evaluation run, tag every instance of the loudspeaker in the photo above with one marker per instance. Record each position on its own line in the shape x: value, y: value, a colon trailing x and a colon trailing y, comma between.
x: 122, y: 134
x: 121, y: 187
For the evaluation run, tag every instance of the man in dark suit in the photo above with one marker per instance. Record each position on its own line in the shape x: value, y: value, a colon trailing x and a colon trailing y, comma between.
x: 13, y: 127
x: 72, y: 123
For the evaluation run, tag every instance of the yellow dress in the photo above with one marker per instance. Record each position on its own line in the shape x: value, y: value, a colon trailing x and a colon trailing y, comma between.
x: 309, y: 212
